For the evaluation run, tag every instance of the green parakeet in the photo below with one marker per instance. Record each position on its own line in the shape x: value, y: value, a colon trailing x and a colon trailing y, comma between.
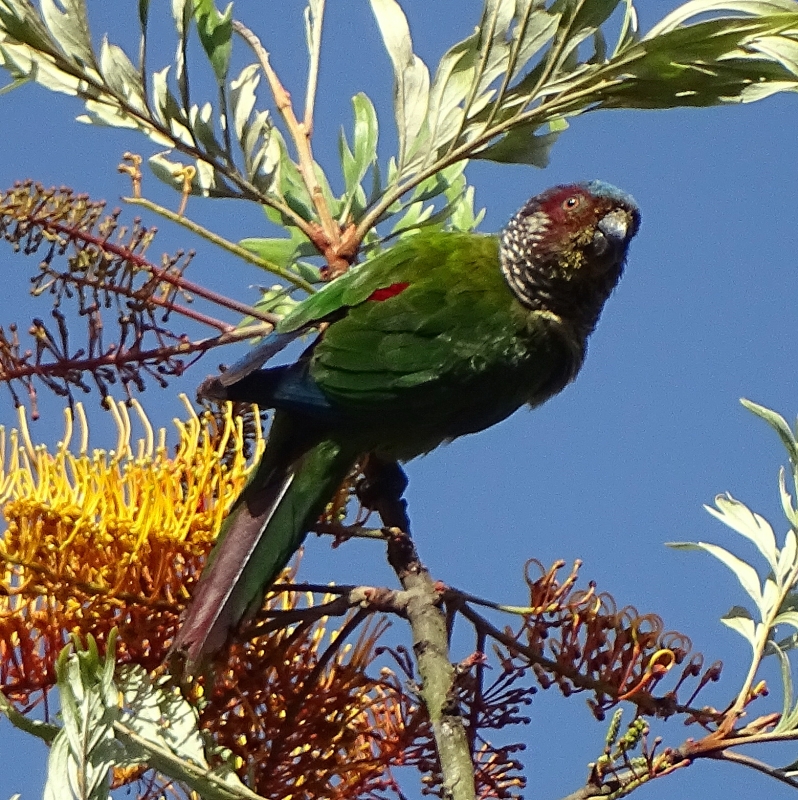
x: 444, y: 334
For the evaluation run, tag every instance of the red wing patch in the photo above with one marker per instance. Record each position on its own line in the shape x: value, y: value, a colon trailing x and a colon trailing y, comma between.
x: 388, y: 292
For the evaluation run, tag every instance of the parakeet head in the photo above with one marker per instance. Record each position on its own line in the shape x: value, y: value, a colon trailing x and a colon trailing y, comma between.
x: 564, y: 251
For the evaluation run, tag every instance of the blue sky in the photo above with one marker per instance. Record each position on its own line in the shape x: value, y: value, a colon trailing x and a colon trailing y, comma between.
x: 618, y: 464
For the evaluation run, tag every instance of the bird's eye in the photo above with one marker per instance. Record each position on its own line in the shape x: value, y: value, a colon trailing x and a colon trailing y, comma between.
x: 572, y: 202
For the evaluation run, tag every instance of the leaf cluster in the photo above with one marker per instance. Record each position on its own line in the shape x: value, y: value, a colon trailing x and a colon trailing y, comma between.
x: 770, y: 623
x: 504, y: 93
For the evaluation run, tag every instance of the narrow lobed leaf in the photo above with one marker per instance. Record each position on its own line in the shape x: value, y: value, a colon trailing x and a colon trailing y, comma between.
x: 739, y: 619
x: 70, y: 29
x: 216, y: 35
x: 744, y: 572
x: 779, y: 424
x: 740, y: 518
x: 411, y: 76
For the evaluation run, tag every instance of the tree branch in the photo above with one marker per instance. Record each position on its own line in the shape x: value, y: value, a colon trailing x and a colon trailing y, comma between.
x: 225, y: 244
x: 300, y: 133
x: 366, y: 599
x: 759, y: 766
x: 344, y: 532
x: 589, y: 790
x: 431, y: 647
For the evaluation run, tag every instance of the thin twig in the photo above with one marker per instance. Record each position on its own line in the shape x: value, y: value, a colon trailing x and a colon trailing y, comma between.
x: 759, y: 766
x: 486, y: 33
x: 589, y: 790
x: 313, y: 66
x: 512, y: 60
x: 42, y: 730
x: 164, y: 302
x: 299, y: 133
x: 120, y: 356
x: 149, y: 122
x: 553, y: 57
x: 274, y: 619
x: 315, y: 588
x: 349, y: 531
x: 367, y: 599
x: 334, y: 646
x: 225, y: 244
x: 478, y: 702
x: 159, y: 273
x: 713, y: 744
x: 760, y: 647
x: 521, y: 611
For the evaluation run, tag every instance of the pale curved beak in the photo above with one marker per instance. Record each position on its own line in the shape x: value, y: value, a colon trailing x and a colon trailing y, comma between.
x: 616, y: 227
x: 613, y: 232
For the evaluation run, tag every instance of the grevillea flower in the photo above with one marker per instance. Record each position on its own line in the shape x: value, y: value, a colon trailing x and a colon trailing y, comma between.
x: 101, y: 539
x: 116, y: 539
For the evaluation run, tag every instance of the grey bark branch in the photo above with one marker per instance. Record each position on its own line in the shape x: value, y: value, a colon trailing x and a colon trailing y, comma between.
x: 381, y: 490
x: 431, y: 648
x: 587, y: 792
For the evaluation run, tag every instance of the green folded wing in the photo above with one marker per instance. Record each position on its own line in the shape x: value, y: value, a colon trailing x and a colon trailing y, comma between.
x: 445, y: 349
x: 409, y: 259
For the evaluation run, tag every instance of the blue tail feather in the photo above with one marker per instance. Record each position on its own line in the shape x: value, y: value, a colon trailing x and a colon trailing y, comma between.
x: 287, y: 388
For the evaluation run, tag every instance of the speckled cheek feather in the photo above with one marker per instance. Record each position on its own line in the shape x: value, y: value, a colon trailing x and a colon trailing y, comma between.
x: 519, y: 251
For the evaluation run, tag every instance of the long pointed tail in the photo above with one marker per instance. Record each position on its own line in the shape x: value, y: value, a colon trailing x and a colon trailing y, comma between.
x: 265, y: 527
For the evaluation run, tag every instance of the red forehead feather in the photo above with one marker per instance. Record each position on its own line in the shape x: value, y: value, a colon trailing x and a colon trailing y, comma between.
x: 552, y: 201
x: 559, y: 194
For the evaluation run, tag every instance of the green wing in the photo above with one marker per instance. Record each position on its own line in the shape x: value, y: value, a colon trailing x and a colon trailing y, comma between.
x: 359, y: 283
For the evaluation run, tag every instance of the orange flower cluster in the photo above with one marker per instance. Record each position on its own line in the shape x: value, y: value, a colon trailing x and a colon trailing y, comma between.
x: 98, y: 540
x: 299, y: 709
x: 581, y: 641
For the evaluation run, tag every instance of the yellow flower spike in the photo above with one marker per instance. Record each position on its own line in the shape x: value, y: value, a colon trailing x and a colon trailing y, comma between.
x: 5, y: 479
x: 98, y: 539
x: 124, y: 450
x: 28, y: 470
x: 25, y: 433
x: 146, y: 445
x: 160, y: 451
x: 64, y: 443
x: 191, y: 412
x: 111, y: 406
x: 232, y: 427
x: 84, y: 429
